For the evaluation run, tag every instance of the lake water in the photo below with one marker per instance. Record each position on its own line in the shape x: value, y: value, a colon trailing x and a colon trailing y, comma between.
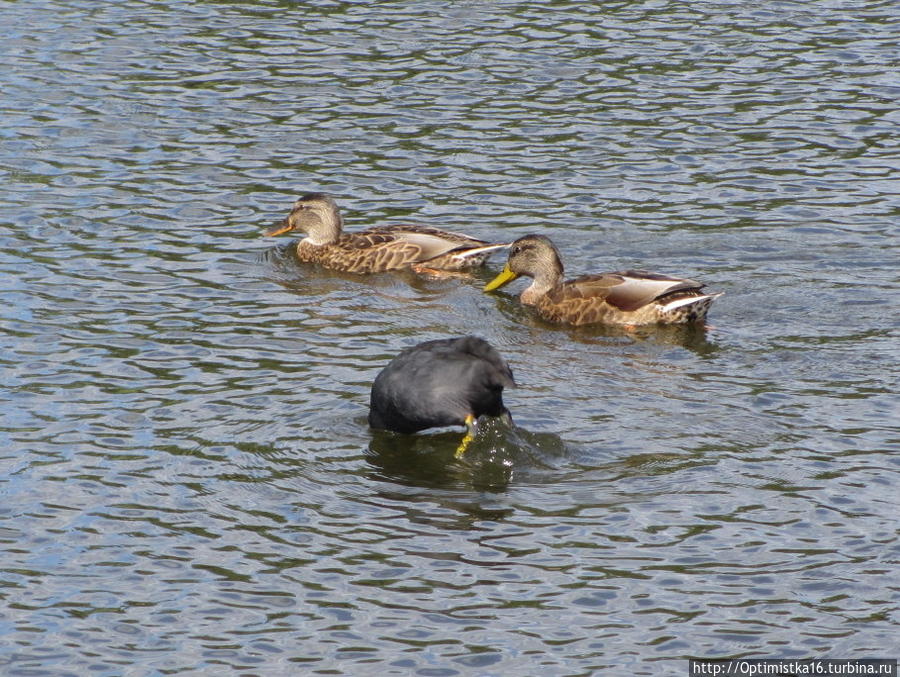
x: 188, y: 482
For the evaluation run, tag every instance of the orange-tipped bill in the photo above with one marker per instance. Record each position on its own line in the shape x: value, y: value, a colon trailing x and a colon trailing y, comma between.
x: 278, y: 229
x: 505, y: 277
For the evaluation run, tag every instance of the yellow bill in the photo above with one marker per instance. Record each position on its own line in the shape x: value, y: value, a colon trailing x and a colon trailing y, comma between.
x: 505, y: 277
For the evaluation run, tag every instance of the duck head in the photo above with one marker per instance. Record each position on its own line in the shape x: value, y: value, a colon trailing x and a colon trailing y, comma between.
x: 314, y: 214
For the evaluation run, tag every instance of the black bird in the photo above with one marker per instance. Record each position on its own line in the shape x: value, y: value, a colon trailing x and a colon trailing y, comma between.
x: 440, y: 383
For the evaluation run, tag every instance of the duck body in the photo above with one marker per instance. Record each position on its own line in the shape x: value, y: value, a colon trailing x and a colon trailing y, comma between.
x: 396, y: 247
x: 629, y: 297
x: 440, y: 383
x: 377, y: 249
x: 632, y: 297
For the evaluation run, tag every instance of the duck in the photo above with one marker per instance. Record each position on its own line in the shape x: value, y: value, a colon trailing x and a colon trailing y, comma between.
x: 444, y: 382
x: 630, y: 298
x: 380, y: 248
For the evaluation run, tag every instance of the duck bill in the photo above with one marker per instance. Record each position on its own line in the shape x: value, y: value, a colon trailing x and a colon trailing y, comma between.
x: 278, y: 229
x: 505, y: 277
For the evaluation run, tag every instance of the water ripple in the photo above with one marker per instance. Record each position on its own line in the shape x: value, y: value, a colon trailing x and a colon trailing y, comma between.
x: 189, y: 482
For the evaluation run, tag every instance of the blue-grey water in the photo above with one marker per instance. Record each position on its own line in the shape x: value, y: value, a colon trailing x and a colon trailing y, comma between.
x: 188, y: 484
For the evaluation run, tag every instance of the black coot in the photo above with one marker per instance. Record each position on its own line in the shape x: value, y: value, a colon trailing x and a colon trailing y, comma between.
x: 440, y: 383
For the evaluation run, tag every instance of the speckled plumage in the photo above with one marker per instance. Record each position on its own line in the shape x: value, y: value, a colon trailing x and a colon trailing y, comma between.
x: 377, y: 249
x: 630, y: 297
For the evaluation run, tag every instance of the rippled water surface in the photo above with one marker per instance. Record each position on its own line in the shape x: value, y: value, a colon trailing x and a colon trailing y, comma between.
x: 188, y: 482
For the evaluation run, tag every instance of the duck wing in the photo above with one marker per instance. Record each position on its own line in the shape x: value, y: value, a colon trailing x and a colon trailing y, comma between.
x: 627, y: 291
x: 430, y: 241
x: 433, y: 241
x: 398, y: 246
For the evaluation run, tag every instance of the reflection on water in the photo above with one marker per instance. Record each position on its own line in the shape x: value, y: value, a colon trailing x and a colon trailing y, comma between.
x: 498, y: 455
x: 189, y: 484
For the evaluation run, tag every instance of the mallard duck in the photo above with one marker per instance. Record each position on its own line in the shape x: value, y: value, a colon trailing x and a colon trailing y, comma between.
x: 380, y: 248
x: 441, y: 383
x: 631, y: 297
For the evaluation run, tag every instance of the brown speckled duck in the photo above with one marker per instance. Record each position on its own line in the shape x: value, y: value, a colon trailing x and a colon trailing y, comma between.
x: 377, y: 249
x: 632, y: 297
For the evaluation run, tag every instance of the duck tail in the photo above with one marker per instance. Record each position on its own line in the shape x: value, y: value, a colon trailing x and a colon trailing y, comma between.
x: 689, y: 308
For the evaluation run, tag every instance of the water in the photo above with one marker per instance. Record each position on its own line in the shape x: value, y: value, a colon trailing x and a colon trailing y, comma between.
x: 188, y: 482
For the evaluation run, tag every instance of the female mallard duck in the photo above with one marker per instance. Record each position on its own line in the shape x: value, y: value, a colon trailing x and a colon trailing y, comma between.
x: 632, y: 297
x: 440, y: 383
x: 377, y: 249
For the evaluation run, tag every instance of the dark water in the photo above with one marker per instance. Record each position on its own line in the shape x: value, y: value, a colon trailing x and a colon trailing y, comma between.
x: 188, y: 484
